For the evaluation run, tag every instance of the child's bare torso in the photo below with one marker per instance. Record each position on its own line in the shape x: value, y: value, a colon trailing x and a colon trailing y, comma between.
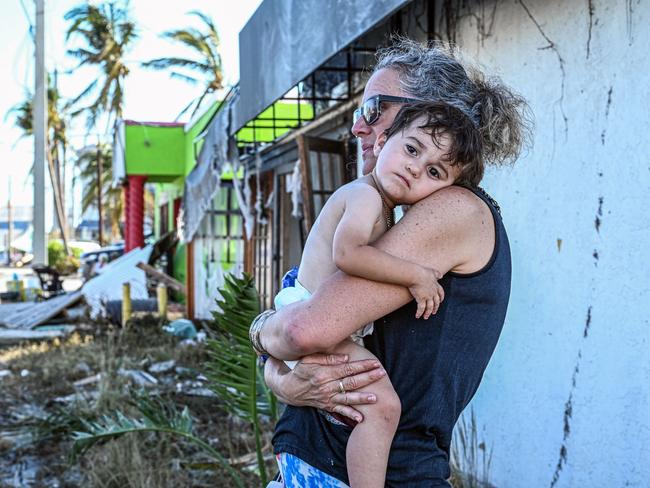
x: 317, y: 262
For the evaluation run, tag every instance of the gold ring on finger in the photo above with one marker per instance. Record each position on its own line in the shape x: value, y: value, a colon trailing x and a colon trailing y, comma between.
x: 341, y: 388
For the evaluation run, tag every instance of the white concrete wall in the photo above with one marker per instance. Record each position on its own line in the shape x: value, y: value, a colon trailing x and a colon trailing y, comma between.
x: 565, y: 401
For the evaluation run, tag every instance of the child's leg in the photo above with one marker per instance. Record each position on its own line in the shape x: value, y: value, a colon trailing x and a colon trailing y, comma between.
x: 369, y: 444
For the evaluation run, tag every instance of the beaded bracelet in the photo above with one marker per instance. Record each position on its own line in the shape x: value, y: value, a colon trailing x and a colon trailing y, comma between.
x: 256, y: 329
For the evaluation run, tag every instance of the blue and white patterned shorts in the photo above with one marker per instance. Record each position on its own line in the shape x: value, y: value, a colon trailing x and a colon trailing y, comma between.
x: 298, y: 474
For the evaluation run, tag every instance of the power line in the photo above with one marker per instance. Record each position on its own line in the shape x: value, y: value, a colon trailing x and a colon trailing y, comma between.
x: 29, y: 20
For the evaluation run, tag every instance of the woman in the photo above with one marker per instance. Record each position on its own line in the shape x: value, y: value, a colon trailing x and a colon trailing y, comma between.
x: 435, y: 365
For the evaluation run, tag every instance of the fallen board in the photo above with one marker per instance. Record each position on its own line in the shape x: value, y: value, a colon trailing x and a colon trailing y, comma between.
x: 12, y: 336
x: 36, y: 313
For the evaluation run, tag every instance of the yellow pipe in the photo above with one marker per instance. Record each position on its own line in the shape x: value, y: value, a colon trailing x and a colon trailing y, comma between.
x: 161, y: 292
x: 126, y: 303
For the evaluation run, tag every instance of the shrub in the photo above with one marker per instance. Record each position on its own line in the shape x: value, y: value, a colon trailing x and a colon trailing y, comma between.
x: 61, y: 262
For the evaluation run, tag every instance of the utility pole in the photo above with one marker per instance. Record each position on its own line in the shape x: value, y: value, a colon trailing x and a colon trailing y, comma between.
x: 40, y: 129
x: 99, y: 193
x: 10, y: 224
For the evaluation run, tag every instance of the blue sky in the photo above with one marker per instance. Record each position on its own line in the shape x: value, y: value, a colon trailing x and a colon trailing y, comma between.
x: 149, y: 95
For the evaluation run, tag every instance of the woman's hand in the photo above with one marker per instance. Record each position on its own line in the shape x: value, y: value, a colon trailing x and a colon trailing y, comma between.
x: 316, y: 381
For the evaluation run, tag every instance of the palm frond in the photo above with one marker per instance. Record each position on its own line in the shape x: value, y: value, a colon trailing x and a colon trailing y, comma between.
x: 191, y: 37
x: 157, y: 416
x: 232, y: 370
x: 106, y: 32
x: 188, y: 79
x: 84, y: 93
x: 187, y: 107
x: 166, y: 63
x: 211, y: 40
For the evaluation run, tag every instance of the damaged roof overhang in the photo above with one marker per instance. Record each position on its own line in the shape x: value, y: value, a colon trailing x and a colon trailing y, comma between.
x: 286, y: 40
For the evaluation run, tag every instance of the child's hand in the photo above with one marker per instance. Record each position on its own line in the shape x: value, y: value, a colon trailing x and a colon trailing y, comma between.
x: 427, y: 292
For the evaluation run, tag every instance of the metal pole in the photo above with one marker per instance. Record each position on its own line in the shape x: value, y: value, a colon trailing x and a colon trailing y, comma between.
x: 99, y: 194
x: 40, y: 130
x: 10, y: 224
x: 161, y: 294
x: 126, y: 303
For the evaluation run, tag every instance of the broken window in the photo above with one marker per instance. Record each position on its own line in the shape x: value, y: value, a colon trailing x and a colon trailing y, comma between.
x: 323, y: 170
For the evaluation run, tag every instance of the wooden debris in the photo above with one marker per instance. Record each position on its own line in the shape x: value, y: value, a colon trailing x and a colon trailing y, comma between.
x: 15, y: 336
x: 30, y: 315
x: 163, y: 278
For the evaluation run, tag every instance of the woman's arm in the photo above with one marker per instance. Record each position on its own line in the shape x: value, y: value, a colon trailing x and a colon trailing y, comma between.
x: 352, y: 253
x: 450, y: 230
x: 351, y: 249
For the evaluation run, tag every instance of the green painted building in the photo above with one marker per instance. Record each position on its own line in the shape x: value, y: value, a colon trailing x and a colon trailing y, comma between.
x: 163, y: 154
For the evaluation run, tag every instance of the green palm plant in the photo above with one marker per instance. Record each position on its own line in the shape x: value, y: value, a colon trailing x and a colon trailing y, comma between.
x: 233, y: 371
x: 107, y: 33
x: 206, y: 62
x: 157, y: 416
x: 233, y: 374
x: 56, y: 144
x: 87, y: 163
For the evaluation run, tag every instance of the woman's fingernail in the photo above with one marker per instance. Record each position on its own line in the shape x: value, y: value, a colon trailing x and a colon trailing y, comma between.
x: 372, y: 398
x: 358, y: 419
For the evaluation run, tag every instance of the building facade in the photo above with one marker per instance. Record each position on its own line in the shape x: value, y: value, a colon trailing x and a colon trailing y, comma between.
x: 565, y: 401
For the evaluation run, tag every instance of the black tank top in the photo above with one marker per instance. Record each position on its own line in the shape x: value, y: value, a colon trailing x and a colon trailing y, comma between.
x: 434, y: 365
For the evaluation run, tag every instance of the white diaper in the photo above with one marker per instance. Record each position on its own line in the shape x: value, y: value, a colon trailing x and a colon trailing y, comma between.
x: 298, y: 293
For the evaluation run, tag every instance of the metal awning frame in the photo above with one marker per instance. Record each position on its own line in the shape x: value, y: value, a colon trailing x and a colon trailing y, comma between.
x: 320, y: 103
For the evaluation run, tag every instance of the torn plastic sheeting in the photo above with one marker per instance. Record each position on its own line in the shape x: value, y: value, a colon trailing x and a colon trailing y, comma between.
x: 108, y: 285
x: 244, y: 198
x: 294, y: 186
x: 260, y: 215
x: 119, y: 154
x: 202, y: 184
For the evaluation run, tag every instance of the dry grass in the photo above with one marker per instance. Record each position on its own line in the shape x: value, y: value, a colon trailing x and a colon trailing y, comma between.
x: 470, y: 457
x: 133, y: 461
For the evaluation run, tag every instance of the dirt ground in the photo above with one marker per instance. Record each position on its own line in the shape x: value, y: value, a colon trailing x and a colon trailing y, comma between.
x: 47, y: 388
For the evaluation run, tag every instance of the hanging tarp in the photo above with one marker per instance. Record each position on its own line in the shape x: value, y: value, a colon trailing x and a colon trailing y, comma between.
x: 119, y: 154
x: 286, y: 40
x: 202, y: 184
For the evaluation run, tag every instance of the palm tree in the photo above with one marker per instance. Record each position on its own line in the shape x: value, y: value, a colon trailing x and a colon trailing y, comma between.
x: 206, y: 61
x: 111, y: 198
x: 56, y: 145
x: 107, y: 32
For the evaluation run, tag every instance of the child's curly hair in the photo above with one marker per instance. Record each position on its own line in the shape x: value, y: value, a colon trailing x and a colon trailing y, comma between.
x: 436, y: 119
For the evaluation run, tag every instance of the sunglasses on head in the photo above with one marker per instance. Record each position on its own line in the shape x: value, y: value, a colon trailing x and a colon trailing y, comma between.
x: 370, y: 110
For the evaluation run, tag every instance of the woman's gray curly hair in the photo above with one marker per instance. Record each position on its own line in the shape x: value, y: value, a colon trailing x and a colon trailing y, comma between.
x: 434, y: 72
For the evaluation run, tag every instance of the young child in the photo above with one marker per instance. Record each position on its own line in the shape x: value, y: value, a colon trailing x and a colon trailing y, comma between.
x: 423, y: 151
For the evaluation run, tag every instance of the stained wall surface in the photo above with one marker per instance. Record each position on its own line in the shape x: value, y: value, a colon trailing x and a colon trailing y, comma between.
x: 565, y: 401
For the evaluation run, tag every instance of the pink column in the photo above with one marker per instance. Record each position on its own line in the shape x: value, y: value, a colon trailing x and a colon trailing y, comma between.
x: 135, y: 214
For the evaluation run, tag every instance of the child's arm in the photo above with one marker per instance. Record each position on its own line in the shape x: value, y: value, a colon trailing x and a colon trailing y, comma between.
x: 352, y: 253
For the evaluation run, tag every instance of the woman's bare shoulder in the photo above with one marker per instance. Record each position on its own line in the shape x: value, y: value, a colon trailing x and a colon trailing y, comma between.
x: 455, y: 204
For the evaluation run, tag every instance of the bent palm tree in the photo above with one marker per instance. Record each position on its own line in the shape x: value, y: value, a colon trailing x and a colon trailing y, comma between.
x: 107, y: 32
x: 206, y: 62
x: 87, y: 163
x: 56, y: 145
